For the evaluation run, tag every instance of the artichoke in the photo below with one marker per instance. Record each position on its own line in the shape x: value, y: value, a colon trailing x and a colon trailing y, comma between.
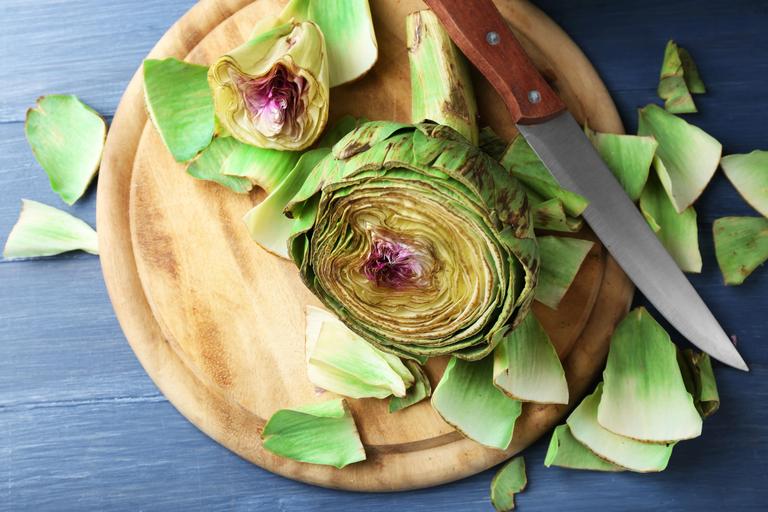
x: 272, y: 91
x: 416, y: 240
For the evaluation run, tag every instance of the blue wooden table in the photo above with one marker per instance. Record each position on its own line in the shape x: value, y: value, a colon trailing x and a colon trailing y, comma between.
x: 83, y: 428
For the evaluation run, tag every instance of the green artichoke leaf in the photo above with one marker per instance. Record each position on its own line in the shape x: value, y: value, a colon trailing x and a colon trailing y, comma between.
x: 749, y: 175
x: 323, y: 433
x: 619, y: 450
x: 567, y: 452
x: 673, y: 88
x: 264, y: 168
x: 339, y: 129
x: 644, y: 396
x: 420, y: 389
x: 211, y: 161
x: 491, y: 144
x: 550, y: 215
x: 561, y: 259
x: 180, y: 105
x: 43, y: 230
x: 467, y: 400
x: 678, y: 232
x: 526, y: 366
x: 507, y: 482
x: 272, y: 91
x: 686, y: 157
x: 741, y: 245
x: 441, y: 88
x: 629, y: 157
x: 67, y: 139
x: 696, y: 368
x: 691, y: 72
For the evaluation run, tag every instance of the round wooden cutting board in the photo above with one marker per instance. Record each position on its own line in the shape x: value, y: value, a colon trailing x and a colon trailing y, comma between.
x: 218, y: 323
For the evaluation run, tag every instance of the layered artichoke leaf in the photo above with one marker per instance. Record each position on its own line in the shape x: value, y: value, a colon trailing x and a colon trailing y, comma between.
x: 419, y: 390
x: 561, y: 259
x: 749, y: 175
x: 696, y: 368
x: 566, y: 451
x: 679, y: 79
x: 741, y: 245
x: 506, y: 483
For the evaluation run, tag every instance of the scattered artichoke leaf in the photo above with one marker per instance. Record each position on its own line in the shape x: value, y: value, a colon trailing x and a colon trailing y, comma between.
x: 526, y: 366
x: 211, y: 161
x: 686, y: 157
x: 340, y: 361
x: 561, y: 259
x: 691, y: 72
x: 508, y: 481
x: 644, y: 396
x: 619, y: 450
x: 67, y: 139
x: 749, y: 175
x: 696, y: 368
x: 441, y: 88
x: 466, y: 399
x: 265, y: 168
x: 491, y: 144
x: 567, y: 452
x: 741, y: 245
x: 629, y: 157
x: 266, y: 222
x: 678, y: 80
x: 524, y: 164
x: 180, y: 105
x: 550, y: 215
x: 323, y: 433
x: 420, y: 389
x: 678, y: 232
x: 43, y: 230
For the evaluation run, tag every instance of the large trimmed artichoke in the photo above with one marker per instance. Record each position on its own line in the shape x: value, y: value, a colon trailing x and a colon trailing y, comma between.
x: 416, y: 240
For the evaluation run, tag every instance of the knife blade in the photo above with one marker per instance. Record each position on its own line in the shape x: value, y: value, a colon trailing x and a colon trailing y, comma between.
x: 479, y: 30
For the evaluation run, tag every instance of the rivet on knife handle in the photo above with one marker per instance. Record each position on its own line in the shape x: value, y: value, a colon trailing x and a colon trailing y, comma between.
x: 480, y: 31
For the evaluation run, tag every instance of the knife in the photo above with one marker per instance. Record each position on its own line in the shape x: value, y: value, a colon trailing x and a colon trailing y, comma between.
x: 479, y: 30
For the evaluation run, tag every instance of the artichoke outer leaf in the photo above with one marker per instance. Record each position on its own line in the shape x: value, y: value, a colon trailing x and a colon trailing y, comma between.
x: 749, y: 175
x: 567, y: 452
x: 741, y: 245
x: 506, y: 483
x: 466, y: 399
x: 678, y: 232
x: 619, y: 450
x: 491, y: 144
x: 679, y: 78
x: 561, y: 259
x: 696, y: 368
x: 210, y: 163
x: 644, y: 396
x: 526, y: 366
x: 551, y: 216
x: 686, y: 157
x: 323, y: 433
x: 691, y: 72
x: 264, y: 168
x: 67, y: 139
x: 43, y: 230
x: 420, y: 389
x: 180, y: 105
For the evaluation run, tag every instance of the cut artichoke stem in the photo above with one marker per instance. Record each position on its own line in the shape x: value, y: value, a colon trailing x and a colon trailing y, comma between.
x: 686, y: 157
x: 180, y: 105
x: 466, y: 399
x: 508, y: 481
x: 211, y: 162
x: 567, y: 452
x: 420, y: 389
x: 620, y: 450
x: 749, y: 175
x: 340, y: 361
x: 323, y: 433
x: 696, y: 368
x: 67, y: 139
x: 741, y: 245
x: 272, y: 92
x: 679, y: 78
x: 629, y: 157
x: 644, y: 396
x: 526, y: 366
x: 561, y: 259
x: 43, y: 230
x: 441, y: 87
x: 679, y: 232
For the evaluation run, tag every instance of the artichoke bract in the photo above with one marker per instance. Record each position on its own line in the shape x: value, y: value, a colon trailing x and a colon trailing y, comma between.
x: 416, y: 240
x: 272, y: 92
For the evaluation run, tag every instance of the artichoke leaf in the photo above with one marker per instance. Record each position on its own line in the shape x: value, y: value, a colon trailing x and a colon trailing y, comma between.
x: 749, y: 175
x: 567, y: 452
x: 741, y: 245
x: 323, y: 433
x: 696, y: 368
x: 67, y: 139
x: 491, y: 144
x: 210, y: 163
x: 673, y: 88
x: 507, y: 482
x: 644, y: 396
x: 43, y: 230
x: 561, y: 259
x: 550, y: 215
x: 420, y: 389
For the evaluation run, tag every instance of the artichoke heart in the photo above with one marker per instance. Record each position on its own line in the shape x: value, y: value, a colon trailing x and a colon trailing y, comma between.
x: 272, y: 92
x: 417, y: 241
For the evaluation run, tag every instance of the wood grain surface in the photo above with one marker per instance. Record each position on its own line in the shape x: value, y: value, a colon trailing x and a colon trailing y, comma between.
x: 231, y: 316
x: 82, y: 427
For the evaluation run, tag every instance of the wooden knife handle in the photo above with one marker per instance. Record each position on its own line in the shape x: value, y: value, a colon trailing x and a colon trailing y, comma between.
x: 479, y: 30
